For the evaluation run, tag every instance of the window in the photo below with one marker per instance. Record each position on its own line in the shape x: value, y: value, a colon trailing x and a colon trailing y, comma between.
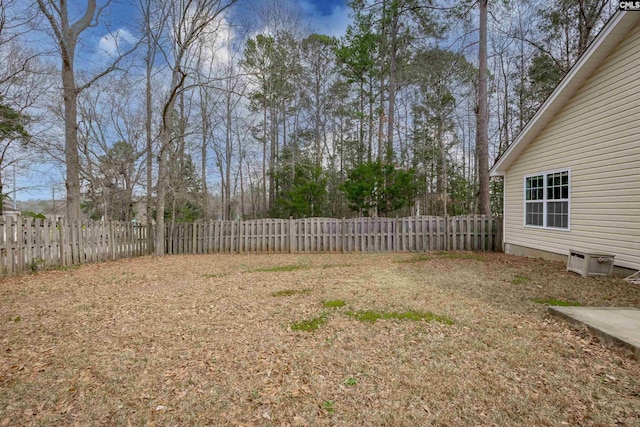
x: 546, y: 198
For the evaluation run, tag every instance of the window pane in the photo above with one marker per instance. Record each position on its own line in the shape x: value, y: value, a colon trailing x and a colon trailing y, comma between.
x: 558, y: 214
x: 534, y: 214
x: 558, y: 186
x: 534, y: 188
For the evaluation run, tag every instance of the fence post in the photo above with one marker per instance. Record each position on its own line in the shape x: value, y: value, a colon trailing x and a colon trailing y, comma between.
x: 22, y: 242
x: 60, y: 229
x: 483, y: 232
x: 490, y: 234
x: 290, y: 235
x: 340, y: 235
x: 193, y: 238
x: 396, y: 233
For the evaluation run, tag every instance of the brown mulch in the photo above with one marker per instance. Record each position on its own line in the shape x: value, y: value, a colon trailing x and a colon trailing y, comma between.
x: 201, y: 340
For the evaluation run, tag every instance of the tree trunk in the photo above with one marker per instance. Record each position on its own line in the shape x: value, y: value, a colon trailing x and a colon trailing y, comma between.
x: 227, y: 158
x: 163, y: 159
x: 205, y: 190
x: 264, y: 162
x: 240, y: 156
x: 317, y: 122
x: 370, y: 133
x: 66, y: 36
x: 272, y: 154
x: 165, y: 138
x: 72, y: 180
x: 383, y: 47
x: 482, y: 119
x: 148, y: 123
x: 361, y: 147
x: 393, y: 71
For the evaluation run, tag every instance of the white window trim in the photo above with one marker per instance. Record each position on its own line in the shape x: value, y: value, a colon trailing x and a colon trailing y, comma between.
x: 545, y: 201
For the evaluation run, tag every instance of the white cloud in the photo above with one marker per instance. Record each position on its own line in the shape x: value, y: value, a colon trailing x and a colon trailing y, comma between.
x: 112, y: 43
x: 217, y: 46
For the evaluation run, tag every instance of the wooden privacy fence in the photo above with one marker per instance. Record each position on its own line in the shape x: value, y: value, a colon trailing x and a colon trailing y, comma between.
x: 425, y: 233
x: 28, y: 244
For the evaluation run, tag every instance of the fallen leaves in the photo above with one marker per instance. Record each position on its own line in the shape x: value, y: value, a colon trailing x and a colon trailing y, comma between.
x: 201, y: 340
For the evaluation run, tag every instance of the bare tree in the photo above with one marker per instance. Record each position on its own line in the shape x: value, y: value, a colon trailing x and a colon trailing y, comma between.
x: 66, y: 35
x: 154, y: 18
x: 482, y: 118
x: 111, y: 145
x: 188, y: 20
x: 23, y: 81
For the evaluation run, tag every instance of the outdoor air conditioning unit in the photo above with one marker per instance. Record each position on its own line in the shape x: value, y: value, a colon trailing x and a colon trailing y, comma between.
x: 588, y: 264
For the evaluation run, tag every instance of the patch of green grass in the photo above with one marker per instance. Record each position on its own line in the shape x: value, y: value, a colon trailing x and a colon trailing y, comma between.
x: 281, y: 268
x: 520, y: 280
x: 558, y: 302
x: 289, y: 292
x: 309, y: 325
x: 350, y: 381
x: 372, y: 316
x: 329, y: 406
x: 335, y: 303
x: 35, y: 264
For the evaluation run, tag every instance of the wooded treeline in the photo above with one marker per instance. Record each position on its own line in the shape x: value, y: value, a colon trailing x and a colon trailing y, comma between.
x: 225, y: 109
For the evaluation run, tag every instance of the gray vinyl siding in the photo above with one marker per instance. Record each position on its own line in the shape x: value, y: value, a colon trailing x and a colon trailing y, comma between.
x: 597, y: 136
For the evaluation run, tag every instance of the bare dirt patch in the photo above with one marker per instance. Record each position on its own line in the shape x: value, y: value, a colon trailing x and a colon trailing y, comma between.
x: 202, y: 340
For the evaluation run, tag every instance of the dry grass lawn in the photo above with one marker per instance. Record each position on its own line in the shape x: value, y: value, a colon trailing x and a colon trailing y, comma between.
x: 207, y: 340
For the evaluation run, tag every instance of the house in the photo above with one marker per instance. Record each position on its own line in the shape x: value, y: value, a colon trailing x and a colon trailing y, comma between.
x: 572, y: 176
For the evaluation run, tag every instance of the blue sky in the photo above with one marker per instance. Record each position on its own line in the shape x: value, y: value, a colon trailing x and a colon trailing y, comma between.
x: 326, y: 7
x: 329, y: 17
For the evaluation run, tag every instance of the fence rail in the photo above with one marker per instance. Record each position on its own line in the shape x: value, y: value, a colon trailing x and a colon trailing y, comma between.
x: 31, y: 244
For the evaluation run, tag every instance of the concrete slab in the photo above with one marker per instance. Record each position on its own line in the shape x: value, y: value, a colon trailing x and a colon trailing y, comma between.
x: 618, y: 326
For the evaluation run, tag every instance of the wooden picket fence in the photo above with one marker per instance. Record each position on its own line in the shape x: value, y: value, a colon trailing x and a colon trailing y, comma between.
x: 28, y: 244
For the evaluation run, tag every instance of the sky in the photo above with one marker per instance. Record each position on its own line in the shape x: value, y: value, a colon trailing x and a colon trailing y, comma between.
x: 330, y: 17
